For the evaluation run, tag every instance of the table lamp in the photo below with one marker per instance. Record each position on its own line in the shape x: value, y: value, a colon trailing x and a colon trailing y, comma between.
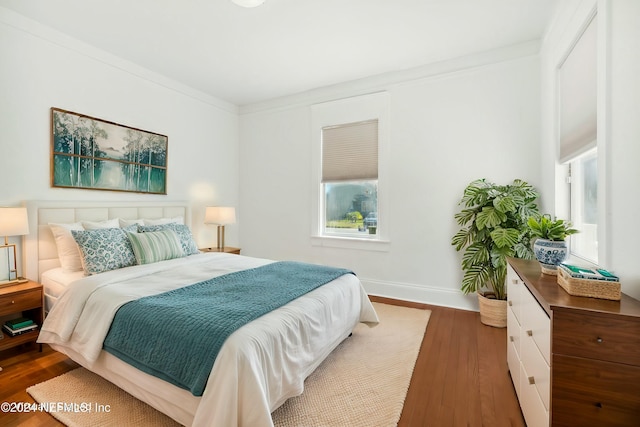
x: 13, y: 222
x: 221, y: 216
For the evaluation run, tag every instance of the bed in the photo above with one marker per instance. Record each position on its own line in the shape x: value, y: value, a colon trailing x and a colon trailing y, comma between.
x: 258, y: 367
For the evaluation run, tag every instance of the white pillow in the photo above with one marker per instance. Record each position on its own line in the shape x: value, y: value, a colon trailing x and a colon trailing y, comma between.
x: 126, y: 222
x: 68, y: 252
x: 162, y: 221
x: 109, y: 223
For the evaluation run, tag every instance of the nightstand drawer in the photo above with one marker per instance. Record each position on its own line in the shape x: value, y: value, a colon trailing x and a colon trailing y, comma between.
x: 20, y: 301
x: 594, y: 393
x: 614, y: 339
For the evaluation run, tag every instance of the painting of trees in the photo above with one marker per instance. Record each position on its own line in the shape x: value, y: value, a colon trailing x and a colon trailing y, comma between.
x: 96, y: 154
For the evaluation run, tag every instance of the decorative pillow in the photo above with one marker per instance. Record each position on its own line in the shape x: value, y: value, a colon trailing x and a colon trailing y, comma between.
x: 68, y: 252
x: 161, y: 221
x: 94, y: 225
x: 155, y: 246
x: 127, y: 222
x: 189, y: 246
x: 104, y: 249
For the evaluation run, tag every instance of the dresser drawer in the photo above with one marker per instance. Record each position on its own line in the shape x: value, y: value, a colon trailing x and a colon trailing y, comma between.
x: 513, y: 331
x: 609, y: 338
x: 513, y: 349
x: 536, y: 324
x: 538, y: 371
x: 14, y: 303
x: 535, y: 414
x: 594, y: 393
x: 513, y: 362
x: 514, y: 288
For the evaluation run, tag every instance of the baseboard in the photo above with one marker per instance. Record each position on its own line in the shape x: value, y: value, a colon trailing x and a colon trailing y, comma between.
x: 421, y: 294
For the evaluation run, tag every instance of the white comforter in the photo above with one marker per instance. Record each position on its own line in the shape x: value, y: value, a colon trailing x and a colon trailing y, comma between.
x: 260, y: 365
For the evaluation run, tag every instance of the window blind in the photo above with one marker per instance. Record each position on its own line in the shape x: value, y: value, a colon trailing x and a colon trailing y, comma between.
x: 350, y: 151
x: 578, y: 97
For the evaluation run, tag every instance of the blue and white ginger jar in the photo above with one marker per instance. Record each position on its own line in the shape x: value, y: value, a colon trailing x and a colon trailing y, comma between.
x: 550, y: 253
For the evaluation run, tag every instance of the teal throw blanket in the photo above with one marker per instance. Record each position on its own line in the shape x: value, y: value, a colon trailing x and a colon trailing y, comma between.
x: 176, y: 335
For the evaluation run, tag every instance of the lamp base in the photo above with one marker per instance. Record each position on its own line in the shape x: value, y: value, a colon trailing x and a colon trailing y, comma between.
x: 17, y: 281
x: 221, y: 237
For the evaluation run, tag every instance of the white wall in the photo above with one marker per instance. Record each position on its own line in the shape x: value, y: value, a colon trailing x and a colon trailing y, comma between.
x: 624, y: 142
x: 618, y: 126
x: 42, y: 68
x: 447, y: 129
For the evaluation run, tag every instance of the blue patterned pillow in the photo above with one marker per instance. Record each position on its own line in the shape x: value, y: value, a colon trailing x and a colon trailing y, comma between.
x: 189, y: 246
x: 104, y: 249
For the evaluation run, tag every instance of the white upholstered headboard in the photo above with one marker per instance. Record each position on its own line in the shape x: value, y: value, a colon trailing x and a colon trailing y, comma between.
x: 40, y: 252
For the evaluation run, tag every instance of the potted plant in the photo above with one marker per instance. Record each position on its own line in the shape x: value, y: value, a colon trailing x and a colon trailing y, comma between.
x: 493, y: 224
x: 550, y: 246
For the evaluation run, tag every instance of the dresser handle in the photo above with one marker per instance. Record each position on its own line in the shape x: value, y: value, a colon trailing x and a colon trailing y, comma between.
x: 530, y: 333
x: 511, y: 338
x: 514, y: 281
x: 531, y: 380
x: 598, y: 405
x: 599, y: 340
x: 510, y: 303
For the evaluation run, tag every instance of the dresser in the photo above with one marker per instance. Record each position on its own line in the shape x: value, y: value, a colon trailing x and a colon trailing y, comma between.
x: 574, y: 361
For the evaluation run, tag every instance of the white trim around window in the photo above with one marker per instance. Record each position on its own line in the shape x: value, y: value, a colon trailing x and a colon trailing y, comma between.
x: 351, y: 110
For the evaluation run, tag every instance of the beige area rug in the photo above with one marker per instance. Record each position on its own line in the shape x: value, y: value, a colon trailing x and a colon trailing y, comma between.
x: 362, y: 383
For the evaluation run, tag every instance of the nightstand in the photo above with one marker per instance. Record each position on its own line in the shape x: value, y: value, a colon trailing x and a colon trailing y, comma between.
x: 24, y: 299
x: 226, y: 249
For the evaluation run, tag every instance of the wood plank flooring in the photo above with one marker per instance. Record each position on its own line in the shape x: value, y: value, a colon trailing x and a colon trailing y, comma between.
x: 460, y: 377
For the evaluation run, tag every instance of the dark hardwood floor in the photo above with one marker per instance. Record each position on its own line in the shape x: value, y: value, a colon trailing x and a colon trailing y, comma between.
x: 460, y: 377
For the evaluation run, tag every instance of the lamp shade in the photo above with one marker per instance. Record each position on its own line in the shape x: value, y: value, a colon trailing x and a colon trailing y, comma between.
x: 220, y: 215
x: 14, y: 222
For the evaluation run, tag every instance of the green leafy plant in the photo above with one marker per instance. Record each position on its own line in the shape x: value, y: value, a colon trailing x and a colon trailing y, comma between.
x: 493, y: 225
x: 543, y: 227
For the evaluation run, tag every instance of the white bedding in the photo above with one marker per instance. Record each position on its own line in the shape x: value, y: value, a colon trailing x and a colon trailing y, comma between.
x: 258, y: 368
x: 55, y: 282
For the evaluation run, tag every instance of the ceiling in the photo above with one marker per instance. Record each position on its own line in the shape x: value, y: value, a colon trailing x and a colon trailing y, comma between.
x: 285, y: 47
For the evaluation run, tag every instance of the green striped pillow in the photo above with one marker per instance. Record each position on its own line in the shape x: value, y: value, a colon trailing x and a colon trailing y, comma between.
x: 155, y: 246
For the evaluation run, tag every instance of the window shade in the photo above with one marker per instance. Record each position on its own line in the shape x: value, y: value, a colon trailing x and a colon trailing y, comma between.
x: 578, y: 97
x: 350, y: 151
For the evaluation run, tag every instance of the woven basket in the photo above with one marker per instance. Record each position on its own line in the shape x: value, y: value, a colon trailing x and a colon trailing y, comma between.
x: 601, y: 289
x: 493, y: 312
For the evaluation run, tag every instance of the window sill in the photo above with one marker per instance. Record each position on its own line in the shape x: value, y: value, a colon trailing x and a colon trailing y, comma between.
x: 365, y: 244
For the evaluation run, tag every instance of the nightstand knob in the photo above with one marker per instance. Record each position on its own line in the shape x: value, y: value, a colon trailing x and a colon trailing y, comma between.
x: 13, y: 302
x: 599, y: 340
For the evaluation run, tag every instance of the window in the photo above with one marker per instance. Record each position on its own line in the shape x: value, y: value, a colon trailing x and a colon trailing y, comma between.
x: 584, y: 205
x: 349, y: 200
x: 350, y: 179
x: 578, y: 139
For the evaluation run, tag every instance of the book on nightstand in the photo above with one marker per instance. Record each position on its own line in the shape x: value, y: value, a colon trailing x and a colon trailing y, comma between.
x: 18, y: 323
x: 13, y: 332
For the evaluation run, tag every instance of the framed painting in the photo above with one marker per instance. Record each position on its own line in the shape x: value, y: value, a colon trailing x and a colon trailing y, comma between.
x: 96, y: 154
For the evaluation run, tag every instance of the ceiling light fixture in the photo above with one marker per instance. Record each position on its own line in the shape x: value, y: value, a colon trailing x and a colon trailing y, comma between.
x: 248, y: 3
